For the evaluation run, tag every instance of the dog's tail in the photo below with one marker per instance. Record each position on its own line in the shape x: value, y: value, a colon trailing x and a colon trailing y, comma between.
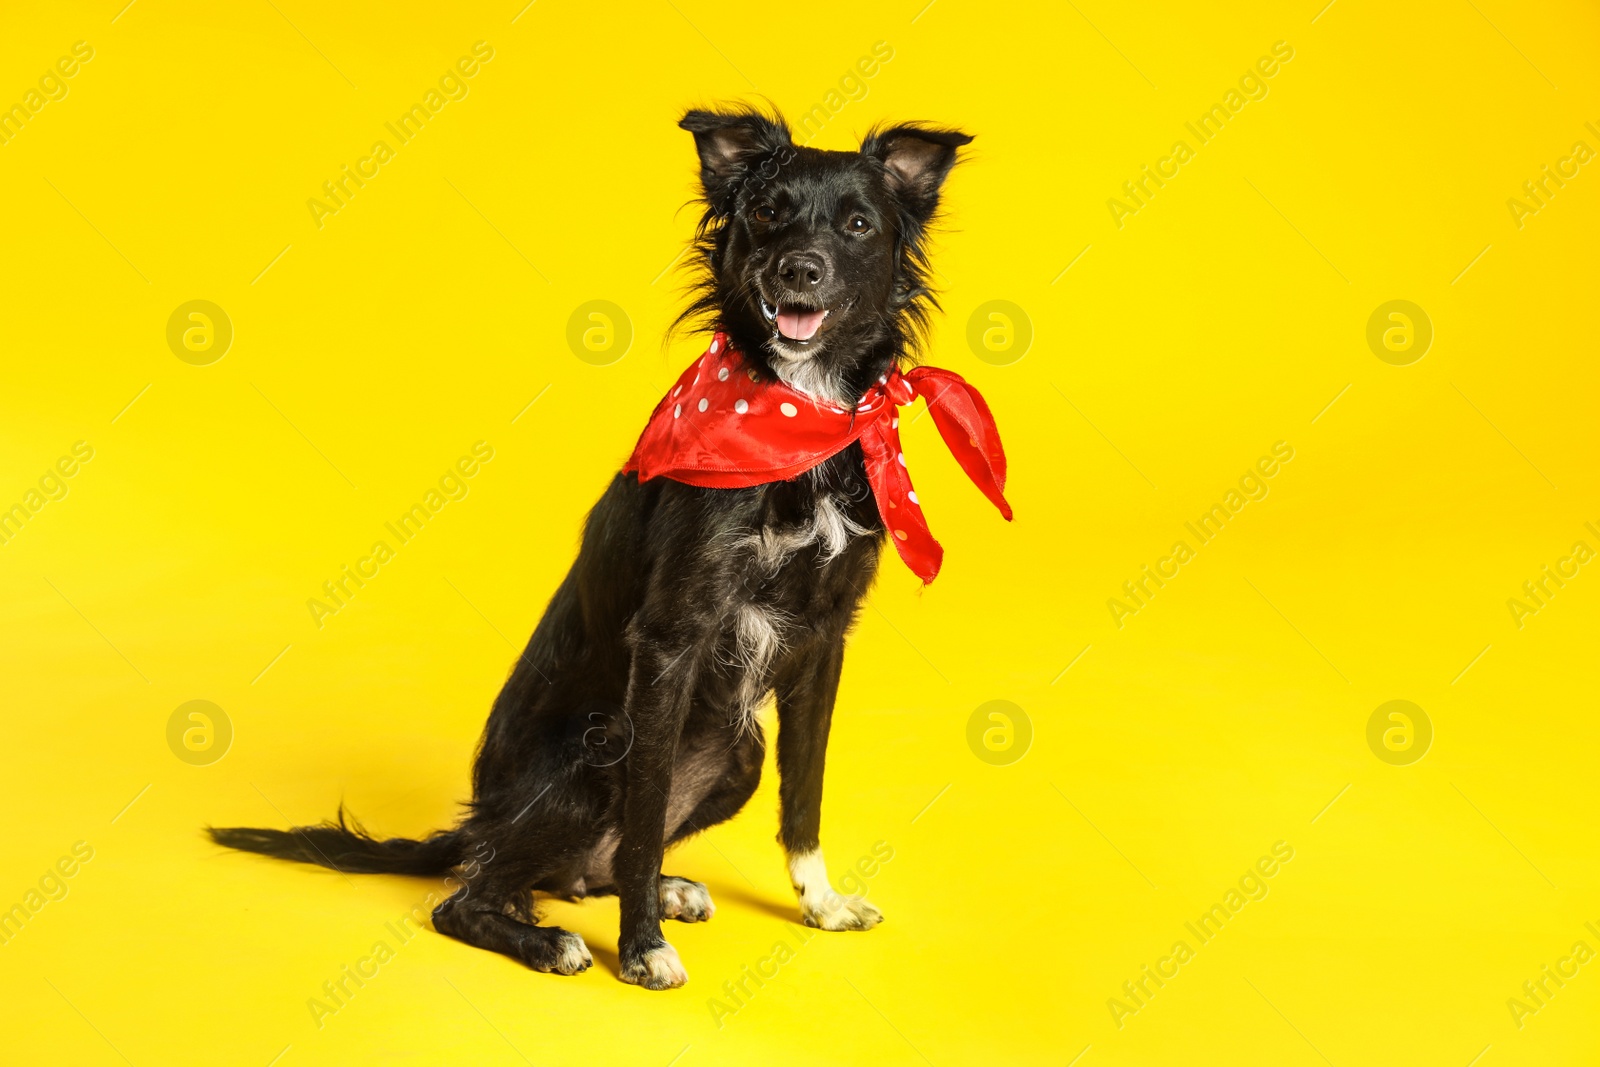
x: 345, y: 846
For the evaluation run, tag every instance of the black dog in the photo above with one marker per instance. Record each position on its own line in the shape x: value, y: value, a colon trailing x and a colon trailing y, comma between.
x: 629, y: 722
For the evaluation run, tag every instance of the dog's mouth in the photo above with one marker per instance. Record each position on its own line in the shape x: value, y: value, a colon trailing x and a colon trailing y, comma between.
x: 800, y: 325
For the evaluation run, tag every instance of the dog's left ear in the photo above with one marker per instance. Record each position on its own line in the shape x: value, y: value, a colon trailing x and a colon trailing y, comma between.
x: 730, y: 144
x: 916, y: 159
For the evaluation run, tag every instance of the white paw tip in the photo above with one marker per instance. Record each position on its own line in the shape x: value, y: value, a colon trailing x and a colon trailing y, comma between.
x: 686, y: 901
x: 659, y: 968
x: 837, y: 912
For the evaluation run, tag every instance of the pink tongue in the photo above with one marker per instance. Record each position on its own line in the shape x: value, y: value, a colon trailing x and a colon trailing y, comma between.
x: 799, y: 325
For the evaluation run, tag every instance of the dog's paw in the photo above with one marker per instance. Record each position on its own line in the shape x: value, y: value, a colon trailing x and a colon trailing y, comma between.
x: 655, y: 968
x: 835, y: 911
x: 685, y: 901
x: 820, y: 904
x: 563, y: 954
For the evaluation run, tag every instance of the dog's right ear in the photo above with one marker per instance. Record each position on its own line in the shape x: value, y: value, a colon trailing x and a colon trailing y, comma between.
x: 730, y: 144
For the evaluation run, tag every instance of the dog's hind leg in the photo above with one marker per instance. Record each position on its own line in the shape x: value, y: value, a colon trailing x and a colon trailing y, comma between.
x: 685, y: 901
x: 478, y: 919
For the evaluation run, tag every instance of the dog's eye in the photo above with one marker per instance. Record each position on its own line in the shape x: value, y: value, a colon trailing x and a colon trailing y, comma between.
x: 858, y: 225
x: 764, y: 213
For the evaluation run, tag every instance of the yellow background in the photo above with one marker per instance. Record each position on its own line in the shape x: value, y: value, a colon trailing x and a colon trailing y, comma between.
x: 429, y: 312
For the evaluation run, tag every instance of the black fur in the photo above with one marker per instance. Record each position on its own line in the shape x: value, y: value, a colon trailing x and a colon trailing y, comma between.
x: 627, y: 725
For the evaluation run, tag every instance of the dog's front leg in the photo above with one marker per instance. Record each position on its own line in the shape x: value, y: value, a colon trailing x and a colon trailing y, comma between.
x: 805, y: 714
x: 660, y: 685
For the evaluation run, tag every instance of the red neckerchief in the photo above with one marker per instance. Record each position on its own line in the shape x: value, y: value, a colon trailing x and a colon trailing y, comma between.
x: 724, y: 425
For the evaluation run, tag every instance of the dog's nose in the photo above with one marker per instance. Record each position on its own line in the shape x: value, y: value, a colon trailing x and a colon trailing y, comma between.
x: 802, y: 271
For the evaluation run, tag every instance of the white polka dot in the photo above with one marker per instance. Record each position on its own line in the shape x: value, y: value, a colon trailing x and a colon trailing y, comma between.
x: 722, y: 374
x: 901, y: 458
x: 677, y: 410
x: 912, y: 493
x: 883, y: 379
x: 714, y: 346
x: 704, y: 403
x: 677, y: 390
x: 894, y: 423
x: 788, y: 409
x: 741, y: 406
x: 837, y: 411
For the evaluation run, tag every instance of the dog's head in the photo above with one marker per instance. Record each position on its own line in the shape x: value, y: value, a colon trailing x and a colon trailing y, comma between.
x: 813, y: 261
